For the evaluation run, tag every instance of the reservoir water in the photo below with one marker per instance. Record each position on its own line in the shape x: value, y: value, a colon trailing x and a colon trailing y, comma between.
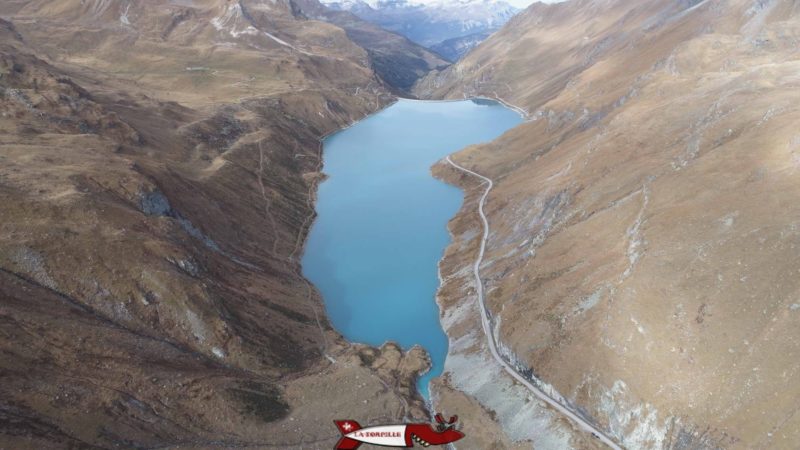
x: 382, y: 220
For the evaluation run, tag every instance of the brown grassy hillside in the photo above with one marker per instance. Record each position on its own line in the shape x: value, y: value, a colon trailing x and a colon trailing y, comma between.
x: 158, y: 162
x: 643, y: 259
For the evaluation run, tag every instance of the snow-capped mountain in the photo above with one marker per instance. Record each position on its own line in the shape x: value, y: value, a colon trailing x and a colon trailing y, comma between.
x: 430, y: 23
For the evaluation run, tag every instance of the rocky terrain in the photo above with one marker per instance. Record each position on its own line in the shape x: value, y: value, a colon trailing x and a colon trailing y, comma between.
x: 158, y: 164
x: 449, y: 27
x: 642, y: 259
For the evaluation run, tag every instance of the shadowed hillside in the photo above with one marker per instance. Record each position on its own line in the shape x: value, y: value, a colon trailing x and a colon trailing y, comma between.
x: 158, y: 165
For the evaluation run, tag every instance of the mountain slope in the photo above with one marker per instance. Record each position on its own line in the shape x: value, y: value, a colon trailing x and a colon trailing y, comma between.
x: 397, y: 60
x: 455, y: 48
x: 159, y: 164
x: 643, y: 220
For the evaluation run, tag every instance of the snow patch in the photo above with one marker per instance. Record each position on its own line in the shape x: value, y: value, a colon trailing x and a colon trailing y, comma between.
x: 196, y: 326
x: 123, y: 18
x: 635, y: 239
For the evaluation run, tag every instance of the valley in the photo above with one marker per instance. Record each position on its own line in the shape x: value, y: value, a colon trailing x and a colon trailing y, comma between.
x: 450, y: 28
x: 621, y: 272
x: 381, y: 224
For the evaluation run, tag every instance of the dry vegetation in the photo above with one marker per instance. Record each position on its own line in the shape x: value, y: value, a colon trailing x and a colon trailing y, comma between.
x: 643, y: 256
x: 158, y: 162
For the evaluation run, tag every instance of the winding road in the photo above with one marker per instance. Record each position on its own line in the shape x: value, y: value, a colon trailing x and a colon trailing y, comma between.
x: 577, y: 419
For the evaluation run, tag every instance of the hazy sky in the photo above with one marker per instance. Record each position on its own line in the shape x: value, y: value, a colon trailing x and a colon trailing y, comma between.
x: 520, y: 3
x: 517, y: 3
x: 525, y: 3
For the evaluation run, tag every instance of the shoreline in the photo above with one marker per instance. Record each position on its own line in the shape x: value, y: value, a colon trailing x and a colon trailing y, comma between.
x: 517, y: 109
x: 300, y: 245
x: 298, y: 255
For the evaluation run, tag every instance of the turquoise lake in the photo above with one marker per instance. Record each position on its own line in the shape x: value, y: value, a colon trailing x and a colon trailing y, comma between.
x: 382, y: 220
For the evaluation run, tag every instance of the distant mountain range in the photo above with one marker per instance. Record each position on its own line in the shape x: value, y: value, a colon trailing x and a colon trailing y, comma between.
x: 454, y: 48
x: 451, y: 27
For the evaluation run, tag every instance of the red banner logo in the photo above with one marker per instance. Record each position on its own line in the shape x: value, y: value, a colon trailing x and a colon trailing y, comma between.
x: 402, y: 435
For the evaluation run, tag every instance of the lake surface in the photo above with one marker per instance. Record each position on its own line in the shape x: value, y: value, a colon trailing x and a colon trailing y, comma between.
x: 382, y: 220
